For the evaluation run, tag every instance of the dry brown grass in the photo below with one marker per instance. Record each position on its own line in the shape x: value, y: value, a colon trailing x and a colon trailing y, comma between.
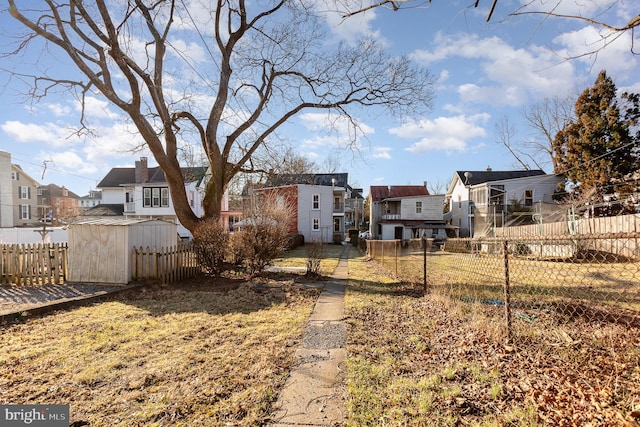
x: 429, y: 360
x: 196, y: 354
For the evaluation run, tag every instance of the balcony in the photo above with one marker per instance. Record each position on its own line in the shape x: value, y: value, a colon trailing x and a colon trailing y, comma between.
x: 390, y: 217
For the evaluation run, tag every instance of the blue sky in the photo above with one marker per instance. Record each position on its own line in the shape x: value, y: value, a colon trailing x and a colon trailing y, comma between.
x: 485, y: 72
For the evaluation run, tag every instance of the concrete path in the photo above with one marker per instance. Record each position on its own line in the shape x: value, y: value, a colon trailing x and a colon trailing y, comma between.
x: 313, y: 395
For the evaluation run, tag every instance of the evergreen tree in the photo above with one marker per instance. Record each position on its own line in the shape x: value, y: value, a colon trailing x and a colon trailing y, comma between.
x: 599, y: 149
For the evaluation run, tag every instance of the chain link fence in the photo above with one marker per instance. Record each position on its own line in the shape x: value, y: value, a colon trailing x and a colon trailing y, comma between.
x: 524, y: 280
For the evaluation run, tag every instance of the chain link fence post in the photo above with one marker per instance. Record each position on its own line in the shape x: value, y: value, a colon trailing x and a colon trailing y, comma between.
x: 424, y: 263
x: 507, y: 290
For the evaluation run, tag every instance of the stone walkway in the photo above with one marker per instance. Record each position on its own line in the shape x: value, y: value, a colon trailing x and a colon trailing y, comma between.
x: 313, y: 395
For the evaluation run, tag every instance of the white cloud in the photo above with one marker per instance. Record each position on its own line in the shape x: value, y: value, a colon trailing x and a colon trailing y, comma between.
x: 193, y: 51
x: 59, y: 109
x: 585, y: 8
x: 354, y: 27
x: 71, y: 161
x: 30, y: 132
x: 335, y: 130
x: 510, y: 76
x: 382, y: 153
x: 96, y: 108
x: 442, y: 133
x: 598, y: 49
x: 112, y: 142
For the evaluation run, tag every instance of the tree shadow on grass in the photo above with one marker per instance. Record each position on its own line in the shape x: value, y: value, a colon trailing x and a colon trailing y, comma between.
x: 220, y: 295
x: 399, y: 288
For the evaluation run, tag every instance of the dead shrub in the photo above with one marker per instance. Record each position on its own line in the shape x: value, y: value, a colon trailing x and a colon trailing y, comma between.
x: 210, y: 244
x: 265, y: 235
x: 315, y: 253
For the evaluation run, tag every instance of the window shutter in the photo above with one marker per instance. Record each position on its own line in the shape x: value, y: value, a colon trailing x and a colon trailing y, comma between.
x: 29, y: 196
x: 28, y: 211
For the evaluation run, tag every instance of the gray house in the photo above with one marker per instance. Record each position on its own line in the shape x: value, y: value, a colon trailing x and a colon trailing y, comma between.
x: 479, y: 201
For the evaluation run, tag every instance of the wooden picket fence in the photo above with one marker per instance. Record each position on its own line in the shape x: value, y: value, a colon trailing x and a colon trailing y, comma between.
x: 33, y: 264
x: 171, y: 264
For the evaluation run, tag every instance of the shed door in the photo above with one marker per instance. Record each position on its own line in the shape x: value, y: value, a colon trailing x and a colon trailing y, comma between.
x: 398, y: 233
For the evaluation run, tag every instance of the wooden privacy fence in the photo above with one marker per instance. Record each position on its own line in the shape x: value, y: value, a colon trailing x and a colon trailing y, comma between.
x: 33, y: 264
x: 168, y: 265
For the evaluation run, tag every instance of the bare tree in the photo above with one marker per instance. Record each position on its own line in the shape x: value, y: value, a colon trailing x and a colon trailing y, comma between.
x: 546, y: 119
x: 506, y: 132
x: 265, y: 66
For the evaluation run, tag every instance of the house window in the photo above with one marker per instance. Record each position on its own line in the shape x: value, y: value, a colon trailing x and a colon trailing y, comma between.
x: 39, y: 191
x: 280, y: 201
x: 191, y: 198
x: 316, y: 202
x: 418, y: 207
x: 164, y: 197
x: 25, y: 193
x: 155, y: 197
x: 459, y: 201
x: 336, y: 225
x: 528, y: 197
x: 315, y: 226
x: 25, y: 211
x: 15, y: 176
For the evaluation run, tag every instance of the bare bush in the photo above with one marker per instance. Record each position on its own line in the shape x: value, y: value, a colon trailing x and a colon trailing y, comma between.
x: 264, y: 235
x: 210, y: 244
x: 315, y: 252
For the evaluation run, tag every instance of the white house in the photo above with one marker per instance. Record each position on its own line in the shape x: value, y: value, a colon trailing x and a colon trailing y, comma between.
x: 318, y: 202
x: 143, y: 192
x: 479, y: 201
x: 18, y: 195
x: 405, y: 212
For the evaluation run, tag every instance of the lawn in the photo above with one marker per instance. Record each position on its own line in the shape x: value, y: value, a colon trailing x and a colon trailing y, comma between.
x: 197, y: 353
x: 429, y: 360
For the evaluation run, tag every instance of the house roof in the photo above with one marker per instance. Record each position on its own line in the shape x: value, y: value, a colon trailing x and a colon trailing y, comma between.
x: 480, y: 177
x: 120, y: 176
x: 381, y: 192
x: 308, y: 178
x: 56, y: 191
x: 105, y: 210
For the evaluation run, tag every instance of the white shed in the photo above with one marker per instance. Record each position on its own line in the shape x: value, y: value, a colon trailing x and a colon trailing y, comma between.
x: 100, y: 249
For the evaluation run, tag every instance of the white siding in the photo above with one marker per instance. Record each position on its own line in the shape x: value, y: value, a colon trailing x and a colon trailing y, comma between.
x: 324, y: 214
x: 431, y: 208
x: 100, y: 250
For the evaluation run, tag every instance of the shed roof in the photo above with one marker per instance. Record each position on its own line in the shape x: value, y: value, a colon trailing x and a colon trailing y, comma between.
x: 381, y: 192
x: 117, y: 220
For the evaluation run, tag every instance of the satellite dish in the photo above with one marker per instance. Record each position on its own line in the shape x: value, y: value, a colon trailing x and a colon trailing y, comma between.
x: 467, y: 175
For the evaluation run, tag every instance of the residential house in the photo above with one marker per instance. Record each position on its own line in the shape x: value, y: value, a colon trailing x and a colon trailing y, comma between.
x: 93, y: 199
x: 143, y: 192
x: 479, y: 201
x: 405, y: 212
x: 18, y: 201
x: 319, y: 203
x: 57, y: 204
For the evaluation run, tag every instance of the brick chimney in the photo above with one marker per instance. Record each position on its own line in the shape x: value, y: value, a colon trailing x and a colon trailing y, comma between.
x: 142, y: 171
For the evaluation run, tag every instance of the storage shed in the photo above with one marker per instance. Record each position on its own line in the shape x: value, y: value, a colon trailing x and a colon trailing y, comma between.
x: 100, y: 248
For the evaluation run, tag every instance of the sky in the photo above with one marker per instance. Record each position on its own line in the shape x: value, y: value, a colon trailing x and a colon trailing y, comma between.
x: 485, y: 73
